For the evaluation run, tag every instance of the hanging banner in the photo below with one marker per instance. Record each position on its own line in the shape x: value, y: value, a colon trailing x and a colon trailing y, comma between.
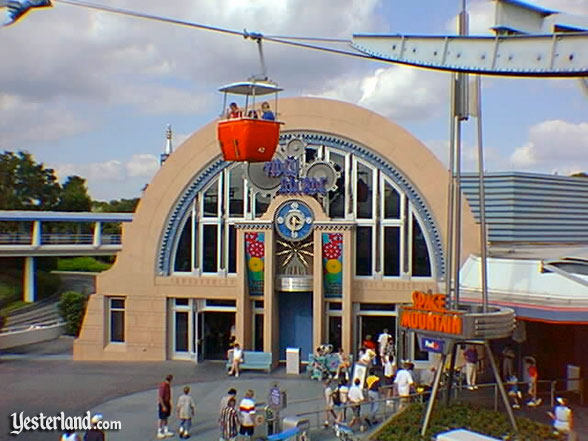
x: 254, y: 256
x: 333, y: 264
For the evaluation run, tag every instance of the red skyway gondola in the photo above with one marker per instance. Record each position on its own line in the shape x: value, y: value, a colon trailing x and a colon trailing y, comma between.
x: 249, y: 133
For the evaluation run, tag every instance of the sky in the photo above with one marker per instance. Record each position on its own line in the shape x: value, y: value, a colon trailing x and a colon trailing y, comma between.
x: 90, y: 93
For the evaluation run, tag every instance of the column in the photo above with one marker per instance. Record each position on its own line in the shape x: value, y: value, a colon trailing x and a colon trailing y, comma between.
x: 318, y: 304
x: 97, y: 240
x: 347, y: 304
x: 29, y: 279
x: 36, y: 238
x: 243, y: 313
x: 271, y: 342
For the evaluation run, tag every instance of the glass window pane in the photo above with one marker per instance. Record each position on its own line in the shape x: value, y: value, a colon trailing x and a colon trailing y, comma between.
x: 182, y: 302
x: 337, y: 196
x: 236, y: 192
x: 391, y: 251
x: 211, y: 200
x: 117, y: 326
x: 117, y: 303
x: 258, y: 340
x: 391, y: 202
x: 183, y: 259
x: 335, y: 332
x: 232, y: 249
x: 421, y: 265
x: 363, y: 251
x: 418, y: 354
x: 209, y: 249
x: 365, y: 192
x: 261, y: 204
x: 181, y: 332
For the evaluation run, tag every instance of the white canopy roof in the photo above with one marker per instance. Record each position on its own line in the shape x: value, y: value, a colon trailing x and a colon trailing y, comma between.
x: 536, y: 288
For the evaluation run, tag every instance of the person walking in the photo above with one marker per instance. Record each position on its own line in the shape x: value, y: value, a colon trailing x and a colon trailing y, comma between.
x: 229, y: 421
x: 404, y: 382
x: 341, y: 394
x: 471, y: 365
x: 508, y: 356
x: 389, y: 368
x: 533, y: 376
x: 356, y: 397
x: 231, y: 393
x: 562, y: 417
x: 330, y: 403
x: 186, y: 409
x: 384, y: 340
x: 164, y: 407
x: 247, y: 410
x: 237, y: 359
x: 373, y: 386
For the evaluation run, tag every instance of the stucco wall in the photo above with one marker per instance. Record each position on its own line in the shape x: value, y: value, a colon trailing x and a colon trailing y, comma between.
x: 134, y: 273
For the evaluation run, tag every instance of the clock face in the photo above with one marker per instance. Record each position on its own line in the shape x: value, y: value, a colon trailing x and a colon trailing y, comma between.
x: 294, y: 220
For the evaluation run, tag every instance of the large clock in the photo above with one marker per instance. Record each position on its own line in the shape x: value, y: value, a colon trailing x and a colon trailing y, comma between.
x: 294, y: 220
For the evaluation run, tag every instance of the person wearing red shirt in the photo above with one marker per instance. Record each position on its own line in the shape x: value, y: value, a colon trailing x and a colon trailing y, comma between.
x: 164, y: 407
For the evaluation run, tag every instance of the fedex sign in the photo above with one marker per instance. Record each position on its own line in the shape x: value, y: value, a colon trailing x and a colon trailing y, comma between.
x: 432, y: 345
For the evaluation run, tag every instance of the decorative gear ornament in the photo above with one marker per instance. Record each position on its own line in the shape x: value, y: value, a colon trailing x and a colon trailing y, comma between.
x: 323, y: 169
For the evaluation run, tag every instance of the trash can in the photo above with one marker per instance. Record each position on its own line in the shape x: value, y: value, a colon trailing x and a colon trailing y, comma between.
x: 293, y: 361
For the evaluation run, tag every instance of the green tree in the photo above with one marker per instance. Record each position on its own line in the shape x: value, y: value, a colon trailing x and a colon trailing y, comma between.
x: 26, y: 185
x: 72, y: 307
x: 74, y: 195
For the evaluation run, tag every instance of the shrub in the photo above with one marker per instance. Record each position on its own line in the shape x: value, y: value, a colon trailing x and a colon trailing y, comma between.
x: 72, y: 306
x: 84, y: 264
x: 407, y: 425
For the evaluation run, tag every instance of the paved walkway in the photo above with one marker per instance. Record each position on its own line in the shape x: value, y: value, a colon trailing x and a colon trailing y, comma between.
x: 44, y: 378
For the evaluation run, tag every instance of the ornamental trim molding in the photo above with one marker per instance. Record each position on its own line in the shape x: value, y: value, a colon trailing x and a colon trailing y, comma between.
x: 179, y: 214
x: 254, y: 226
x: 334, y: 226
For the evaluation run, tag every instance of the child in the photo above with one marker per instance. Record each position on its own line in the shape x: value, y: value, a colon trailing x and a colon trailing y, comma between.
x: 514, y: 391
x: 186, y: 410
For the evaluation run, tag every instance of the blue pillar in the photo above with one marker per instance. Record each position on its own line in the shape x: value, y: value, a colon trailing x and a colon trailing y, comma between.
x: 29, y: 279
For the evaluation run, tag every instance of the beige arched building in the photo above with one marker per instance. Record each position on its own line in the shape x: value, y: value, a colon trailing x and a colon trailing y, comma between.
x: 207, y: 255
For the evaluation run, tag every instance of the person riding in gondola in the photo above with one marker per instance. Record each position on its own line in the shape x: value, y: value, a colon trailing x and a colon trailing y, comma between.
x: 266, y: 112
x: 234, y: 111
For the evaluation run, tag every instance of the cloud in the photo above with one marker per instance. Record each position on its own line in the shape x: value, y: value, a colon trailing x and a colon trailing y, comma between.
x: 24, y: 121
x: 397, y: 92
x: 123, y: 178
x: 144, y: 166
x: 554, y: 146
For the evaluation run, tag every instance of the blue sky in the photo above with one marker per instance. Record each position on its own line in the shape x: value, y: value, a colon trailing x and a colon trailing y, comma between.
x: 90, y: 93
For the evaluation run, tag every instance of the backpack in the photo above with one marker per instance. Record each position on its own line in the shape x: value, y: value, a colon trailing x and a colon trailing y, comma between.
x: 336, y: 397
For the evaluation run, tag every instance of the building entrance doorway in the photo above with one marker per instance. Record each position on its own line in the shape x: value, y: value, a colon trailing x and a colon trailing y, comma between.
x: 215, y: 334
x: 372, y: 319
x: 295, y: 322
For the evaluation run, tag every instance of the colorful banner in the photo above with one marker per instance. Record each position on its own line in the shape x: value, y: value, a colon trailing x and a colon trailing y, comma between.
x: 254, y: 257
x: 333, y: 264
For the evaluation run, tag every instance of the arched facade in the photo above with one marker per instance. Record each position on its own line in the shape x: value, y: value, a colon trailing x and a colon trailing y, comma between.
x: 210, y: 254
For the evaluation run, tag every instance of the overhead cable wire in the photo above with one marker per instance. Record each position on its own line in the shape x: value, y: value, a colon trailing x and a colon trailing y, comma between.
x: 281, y: 39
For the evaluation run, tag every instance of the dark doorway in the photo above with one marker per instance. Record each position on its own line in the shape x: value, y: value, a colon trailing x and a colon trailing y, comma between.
x: 216, y: 329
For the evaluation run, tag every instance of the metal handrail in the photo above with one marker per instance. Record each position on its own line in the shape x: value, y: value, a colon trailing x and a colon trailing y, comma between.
x: 58, y: 239
x: 31, y: 326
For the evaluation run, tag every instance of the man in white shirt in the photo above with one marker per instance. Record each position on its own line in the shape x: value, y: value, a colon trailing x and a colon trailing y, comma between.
x: 403, y: 383
x: 384, y: 339
x: 355, y: 397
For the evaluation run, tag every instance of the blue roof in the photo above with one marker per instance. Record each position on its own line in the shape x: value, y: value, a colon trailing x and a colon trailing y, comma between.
x: 64, y: 216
